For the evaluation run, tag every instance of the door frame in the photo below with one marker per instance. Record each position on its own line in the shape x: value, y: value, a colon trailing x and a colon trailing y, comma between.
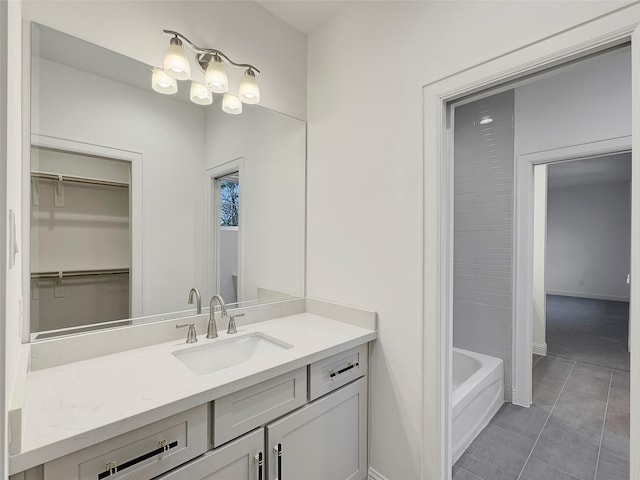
x: 618, y: 27
x: 212, y: 275
x: 523, y: 250
x: 135, y: 161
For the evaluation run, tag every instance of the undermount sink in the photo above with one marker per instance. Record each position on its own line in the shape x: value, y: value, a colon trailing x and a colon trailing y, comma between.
x: 221, y: 354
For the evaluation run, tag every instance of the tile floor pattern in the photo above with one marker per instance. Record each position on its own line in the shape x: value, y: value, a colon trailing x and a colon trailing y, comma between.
x: 588, y: 330
x: 576, y: 429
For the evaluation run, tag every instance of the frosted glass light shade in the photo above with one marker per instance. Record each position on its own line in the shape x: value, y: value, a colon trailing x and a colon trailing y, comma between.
x: 200, y: 94
x: 249, y: 92
x: 163, y: 83
x: 231, y: 104
x: 215, y: 78
x: 176, y: 63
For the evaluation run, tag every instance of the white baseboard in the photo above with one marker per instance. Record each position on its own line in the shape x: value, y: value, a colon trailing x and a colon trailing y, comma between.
x: 593, y: 296
x: 539, y: 349
x: 373, y: 475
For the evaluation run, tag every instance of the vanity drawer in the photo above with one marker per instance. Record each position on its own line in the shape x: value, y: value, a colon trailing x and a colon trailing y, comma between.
x: 337, y: 370
x: 138, y: 455
x: 255, y: 406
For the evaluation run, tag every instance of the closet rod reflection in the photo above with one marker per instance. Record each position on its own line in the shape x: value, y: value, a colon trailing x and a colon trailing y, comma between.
x: 74, y: 179
x: 80, y: 273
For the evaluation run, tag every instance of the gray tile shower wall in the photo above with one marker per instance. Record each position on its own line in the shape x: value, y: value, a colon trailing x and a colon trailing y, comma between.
x: 483, y: 228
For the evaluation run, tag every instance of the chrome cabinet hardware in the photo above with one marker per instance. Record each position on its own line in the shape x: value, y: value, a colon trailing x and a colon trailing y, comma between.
x: 258, y: 459
x: 112, y: 467
x: 278, y: 451
x: 350, y: 366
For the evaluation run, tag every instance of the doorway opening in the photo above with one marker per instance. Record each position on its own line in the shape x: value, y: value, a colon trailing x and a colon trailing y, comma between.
x: 224, y: 231
x: 227, y: 219
x: 555, y: 420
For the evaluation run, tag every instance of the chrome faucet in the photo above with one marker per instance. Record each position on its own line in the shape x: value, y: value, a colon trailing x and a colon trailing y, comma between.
x: 212, y: 329
x: 196, y: 292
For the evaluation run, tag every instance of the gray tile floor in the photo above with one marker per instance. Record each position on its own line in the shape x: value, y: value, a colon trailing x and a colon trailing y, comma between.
x: 590, y: 331
x: 576, y: 429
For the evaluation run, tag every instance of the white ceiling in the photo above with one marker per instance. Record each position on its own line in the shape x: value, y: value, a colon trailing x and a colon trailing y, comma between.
x: 612, y: 168
x: 304, y: 15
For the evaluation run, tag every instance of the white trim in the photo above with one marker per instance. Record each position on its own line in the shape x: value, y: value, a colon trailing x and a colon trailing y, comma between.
x: 374, y: 475
x: 539, y: 349
x: 135, y: 205
x: 523, y: 251
x: 584, y: 39
x: 582, y: 151
x: 593, y: 296
x: 634, y: 292
x: 212, y: 250
x: 5, y: 436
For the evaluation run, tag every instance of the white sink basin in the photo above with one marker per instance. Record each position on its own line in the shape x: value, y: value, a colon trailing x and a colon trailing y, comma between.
x: 221, y: 354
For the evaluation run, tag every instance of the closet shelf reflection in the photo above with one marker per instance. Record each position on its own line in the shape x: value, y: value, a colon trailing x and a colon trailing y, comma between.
x: 80, y: 273
x: 74, y: 179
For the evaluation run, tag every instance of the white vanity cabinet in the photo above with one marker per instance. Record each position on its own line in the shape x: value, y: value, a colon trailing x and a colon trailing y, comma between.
x: 326, y: 439
x: 237, y: 460
x: 310, y: 423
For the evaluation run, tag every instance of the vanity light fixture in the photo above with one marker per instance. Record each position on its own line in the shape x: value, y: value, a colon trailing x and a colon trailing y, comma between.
x: 212, y: 62
x: 176, y: 63
x: 249, y: 91
x: 231, y: 104
x: 200, y: 94
x: 163, y: 83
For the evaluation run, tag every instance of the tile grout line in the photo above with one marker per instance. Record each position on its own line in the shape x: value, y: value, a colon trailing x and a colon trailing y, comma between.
x: 471, y: 473
x: 546, y: 420
x: 557, y: 355
x: 604, y: 421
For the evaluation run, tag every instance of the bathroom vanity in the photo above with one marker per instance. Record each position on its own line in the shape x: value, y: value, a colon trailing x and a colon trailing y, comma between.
x: 121, y: 395
x: 283, y: 398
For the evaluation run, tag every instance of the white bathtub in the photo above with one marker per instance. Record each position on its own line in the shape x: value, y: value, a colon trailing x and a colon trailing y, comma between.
x: 478, y: 394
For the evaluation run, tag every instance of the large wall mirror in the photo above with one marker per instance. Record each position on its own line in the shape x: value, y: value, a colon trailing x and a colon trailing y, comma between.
x: 137, y: 197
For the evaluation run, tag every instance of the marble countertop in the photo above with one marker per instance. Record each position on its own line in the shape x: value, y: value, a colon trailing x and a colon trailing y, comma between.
x: 70, y: 407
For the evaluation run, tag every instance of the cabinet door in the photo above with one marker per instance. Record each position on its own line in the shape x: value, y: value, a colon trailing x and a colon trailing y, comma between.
x: 238, y: 460
x: 326, y: 439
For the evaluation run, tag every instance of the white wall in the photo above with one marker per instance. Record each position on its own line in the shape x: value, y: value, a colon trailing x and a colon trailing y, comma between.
x: 170, y: 136
x: 13, y: 190
x: 272, y: 195
x: 587, y: 102
x: 245, y: 31
x: 589, y: 241
x: 3, y: 239
x: 539, y: 259
x: 367, y: 67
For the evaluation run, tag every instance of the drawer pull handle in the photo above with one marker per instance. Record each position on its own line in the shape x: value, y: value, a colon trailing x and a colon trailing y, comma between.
x: 260, y: 462
x: 278, y: 451
x: 112, y: 467
x: 333, y: 373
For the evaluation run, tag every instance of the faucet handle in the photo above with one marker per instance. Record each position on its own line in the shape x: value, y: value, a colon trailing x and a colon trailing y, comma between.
x: 191, y: 334
x: 232, y: 323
